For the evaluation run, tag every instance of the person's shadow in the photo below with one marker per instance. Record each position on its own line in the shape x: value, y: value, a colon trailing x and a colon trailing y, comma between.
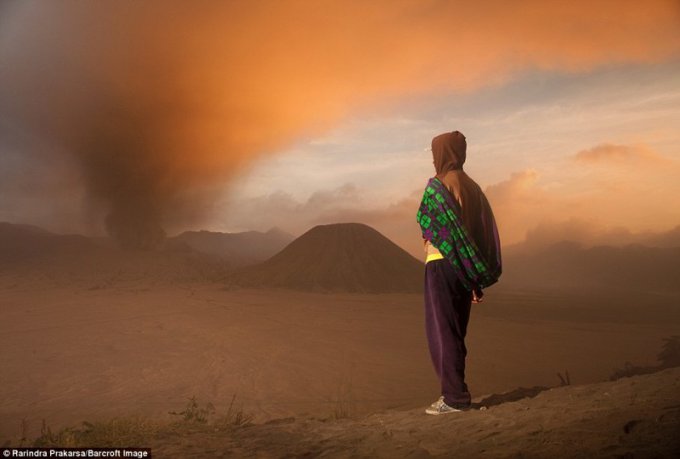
x: 512, y: 396
x: 669, y: 358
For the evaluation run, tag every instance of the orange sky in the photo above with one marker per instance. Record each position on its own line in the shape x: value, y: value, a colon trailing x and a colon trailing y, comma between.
x: 194, y: 96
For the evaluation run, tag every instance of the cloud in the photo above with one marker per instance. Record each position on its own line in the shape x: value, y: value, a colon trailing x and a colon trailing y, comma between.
x: 593, y: 193
x: 155, y: 100
x: 516, y: 186
x: 296, y: 216
x: 518, y: 203
x: 608, y: 153
x: 571, y: 203
x: 394, y: 219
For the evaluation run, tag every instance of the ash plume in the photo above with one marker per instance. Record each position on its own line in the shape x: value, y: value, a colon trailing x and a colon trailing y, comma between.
x: 123, y: 173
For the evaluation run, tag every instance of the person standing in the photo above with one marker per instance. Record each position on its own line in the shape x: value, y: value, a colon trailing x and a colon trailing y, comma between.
x: 462, y: 256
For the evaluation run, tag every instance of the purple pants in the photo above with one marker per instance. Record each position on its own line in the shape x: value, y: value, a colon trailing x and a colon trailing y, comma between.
x: 447, y: 312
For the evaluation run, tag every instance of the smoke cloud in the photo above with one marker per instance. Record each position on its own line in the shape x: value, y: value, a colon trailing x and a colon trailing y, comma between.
x: 161, y: 103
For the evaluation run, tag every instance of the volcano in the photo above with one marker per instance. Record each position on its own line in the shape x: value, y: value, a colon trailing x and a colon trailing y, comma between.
x: 342, y: 257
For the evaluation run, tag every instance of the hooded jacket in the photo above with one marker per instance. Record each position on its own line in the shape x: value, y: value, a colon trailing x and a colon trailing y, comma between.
x: 449, y: 152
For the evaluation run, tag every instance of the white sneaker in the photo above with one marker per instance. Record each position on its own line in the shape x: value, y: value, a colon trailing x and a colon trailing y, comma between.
x: 439, y: 407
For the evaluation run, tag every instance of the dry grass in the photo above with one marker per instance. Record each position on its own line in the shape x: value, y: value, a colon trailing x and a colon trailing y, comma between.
x: 139, y: 430
x: 130, y: 430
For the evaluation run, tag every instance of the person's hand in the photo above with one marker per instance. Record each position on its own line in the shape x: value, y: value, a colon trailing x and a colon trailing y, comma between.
x: 477, y: 295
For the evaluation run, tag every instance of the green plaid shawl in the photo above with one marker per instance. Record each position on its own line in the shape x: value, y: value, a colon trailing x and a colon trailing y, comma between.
x: 439, y: 216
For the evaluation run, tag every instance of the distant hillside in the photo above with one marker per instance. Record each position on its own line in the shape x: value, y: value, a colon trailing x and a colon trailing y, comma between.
x: 31, y: 254
x: 240, y: 249
x: 568, y: 265
x: 345, y: 257
x: 21, y: 243
x: 546, y: 235
x: 669, y: 238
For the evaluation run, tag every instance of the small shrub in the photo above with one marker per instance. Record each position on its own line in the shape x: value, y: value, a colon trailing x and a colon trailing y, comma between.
x: 564, y: 380
x: 235, y: 416
x: 194, y: 413
x: 344, y: 405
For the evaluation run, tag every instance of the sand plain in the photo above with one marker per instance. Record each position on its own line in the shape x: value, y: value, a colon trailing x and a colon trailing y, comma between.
x: 72, y: 354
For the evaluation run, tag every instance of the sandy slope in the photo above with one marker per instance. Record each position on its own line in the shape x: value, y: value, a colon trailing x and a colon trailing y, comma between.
x: 631, y: 417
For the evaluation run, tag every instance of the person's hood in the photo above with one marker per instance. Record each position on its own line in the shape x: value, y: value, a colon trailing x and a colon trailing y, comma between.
x: 449, y: 152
